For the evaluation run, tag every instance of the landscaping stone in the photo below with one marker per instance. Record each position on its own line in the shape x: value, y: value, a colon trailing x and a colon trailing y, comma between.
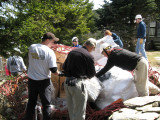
x: 139, y: 108
x: 141, y: 101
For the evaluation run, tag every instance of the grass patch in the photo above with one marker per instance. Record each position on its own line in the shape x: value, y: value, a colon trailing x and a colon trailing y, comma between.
x: 152, y: 58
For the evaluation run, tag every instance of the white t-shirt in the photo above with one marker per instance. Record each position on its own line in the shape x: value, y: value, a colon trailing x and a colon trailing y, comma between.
x: 41, y: 58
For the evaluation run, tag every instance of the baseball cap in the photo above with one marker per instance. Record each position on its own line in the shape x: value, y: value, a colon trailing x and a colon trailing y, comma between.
x: 74, y: 39
x: 105, y: 46
x: 50, y: 35
x: 138, y: 16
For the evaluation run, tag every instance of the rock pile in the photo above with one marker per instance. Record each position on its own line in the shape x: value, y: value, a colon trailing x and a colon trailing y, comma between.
x: 139, y: 108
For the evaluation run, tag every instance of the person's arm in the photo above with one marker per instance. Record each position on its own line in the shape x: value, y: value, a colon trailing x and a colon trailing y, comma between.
x: 23, y: 65
x: 54, y: 70
x: 115, y: 37
x: 107, y: 67
x: 65, y: 64
x: 91, y: 68
x: 143, y: 30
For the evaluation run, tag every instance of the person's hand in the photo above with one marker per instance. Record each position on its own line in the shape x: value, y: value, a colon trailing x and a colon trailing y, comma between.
x: 61, y: 73
x: 135, y: 40
x: 141, y: 41
x: 71, y: 82
x: 56, y: 73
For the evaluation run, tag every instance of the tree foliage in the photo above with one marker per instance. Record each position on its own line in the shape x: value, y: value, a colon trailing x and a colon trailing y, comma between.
x: 119, y: 16
x: 25, y: 21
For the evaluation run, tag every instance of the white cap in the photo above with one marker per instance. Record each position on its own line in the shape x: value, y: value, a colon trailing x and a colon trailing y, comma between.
x: 105, y: 46
x: 138, y: 16
x: 74, y: 38
x: 91, y: 41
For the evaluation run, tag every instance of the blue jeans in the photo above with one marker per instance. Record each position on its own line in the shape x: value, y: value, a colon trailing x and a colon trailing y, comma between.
x: 43, y: 89
x: 140, y: 48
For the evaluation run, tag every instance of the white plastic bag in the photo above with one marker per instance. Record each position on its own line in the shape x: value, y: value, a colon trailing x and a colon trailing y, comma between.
x: 119, y: 85
x: 94, y: 88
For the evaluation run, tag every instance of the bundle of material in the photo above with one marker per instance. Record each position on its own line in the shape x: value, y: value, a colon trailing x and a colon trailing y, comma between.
x: 91, y: 113
x: 154, y: 84
x: 12, y: 96
x: 9, y: 87
x: 118, y: 83
x: 61, y: 52
x: 106, y: 112
x: 60, y: 115
x: 154, y: 76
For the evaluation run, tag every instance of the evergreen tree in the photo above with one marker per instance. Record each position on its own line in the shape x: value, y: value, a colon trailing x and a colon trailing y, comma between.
x: 119, y: 16
x: 25, y: 21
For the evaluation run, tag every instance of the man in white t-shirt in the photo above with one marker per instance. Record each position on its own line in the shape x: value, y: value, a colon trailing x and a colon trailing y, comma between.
x: 42, y: 61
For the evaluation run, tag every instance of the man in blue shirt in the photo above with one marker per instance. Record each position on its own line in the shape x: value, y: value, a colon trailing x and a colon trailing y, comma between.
x: 141, y: 36
x: 75, y: 42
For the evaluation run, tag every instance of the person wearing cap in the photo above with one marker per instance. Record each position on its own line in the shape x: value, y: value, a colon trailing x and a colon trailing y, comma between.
x: 78, y: 67
x: 75, y: 42
x: 42, y: 61
x: 116, y: 38
x: 141, y: 36
x: 128, y: 61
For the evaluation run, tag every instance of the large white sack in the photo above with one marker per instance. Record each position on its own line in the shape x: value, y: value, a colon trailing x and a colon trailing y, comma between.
x: 119, y: 85
x: 94, y: 87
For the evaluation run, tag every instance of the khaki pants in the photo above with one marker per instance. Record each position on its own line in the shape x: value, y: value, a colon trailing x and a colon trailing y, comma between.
x: 141, y: 77
x: 76, y: 100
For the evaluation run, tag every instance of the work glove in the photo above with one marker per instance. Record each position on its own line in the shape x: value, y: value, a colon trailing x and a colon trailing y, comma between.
x: 141, y: 41
x: 61, y: 73
x: 71, y: 82
x: 104, y: 77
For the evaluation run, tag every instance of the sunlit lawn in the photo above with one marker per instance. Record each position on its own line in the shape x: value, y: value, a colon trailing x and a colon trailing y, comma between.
x: 152, y: 58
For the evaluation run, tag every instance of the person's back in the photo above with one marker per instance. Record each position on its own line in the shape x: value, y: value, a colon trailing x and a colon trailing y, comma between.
x: 39, y: 59
x: 117, y: 39
x: 16, y: 65
x: 79, y: 63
